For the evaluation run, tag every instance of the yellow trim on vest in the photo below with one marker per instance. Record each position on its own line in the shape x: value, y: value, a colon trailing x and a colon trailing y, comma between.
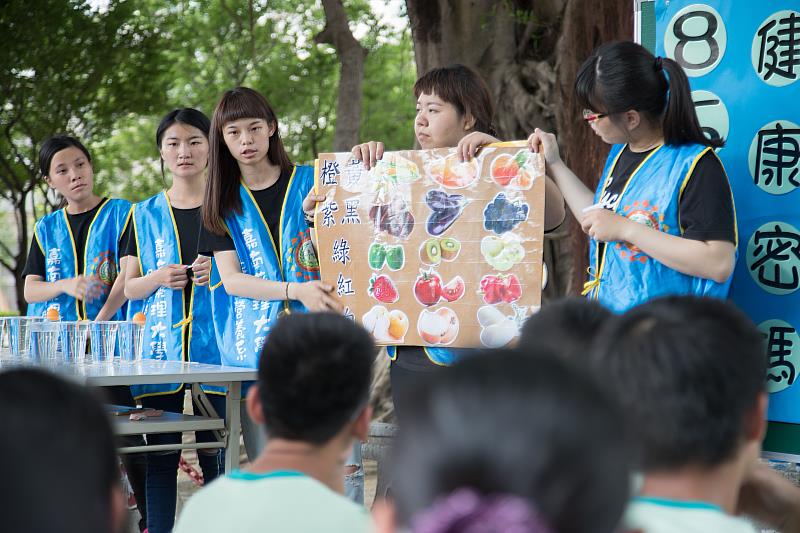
x: 316, y: 212
x: 86, y: 247
x: 38, y: 242
x: 425, y: 349
x: 686, y: 182
x: 138, y: 247
x: 733, y: 201
x: 602, y: 260
x: 75, y: 256
x: 508, y: 144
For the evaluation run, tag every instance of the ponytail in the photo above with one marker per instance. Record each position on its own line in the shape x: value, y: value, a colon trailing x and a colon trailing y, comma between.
x: 622, y: 76
x: 680, y: 124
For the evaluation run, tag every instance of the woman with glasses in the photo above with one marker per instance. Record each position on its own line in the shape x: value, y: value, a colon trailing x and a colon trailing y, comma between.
x: 662, y: 219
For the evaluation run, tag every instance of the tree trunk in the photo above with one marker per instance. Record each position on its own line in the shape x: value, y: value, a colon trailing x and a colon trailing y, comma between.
x: 529, y: 53
x: 351, y: 74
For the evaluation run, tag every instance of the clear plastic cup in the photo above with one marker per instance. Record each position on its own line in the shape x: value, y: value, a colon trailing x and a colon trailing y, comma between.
x: 129, y: 341
x: 103, y: 337
x: 43, y: 341
x: 19, y: 333
x: 73, y: 341
x: 4, y: 342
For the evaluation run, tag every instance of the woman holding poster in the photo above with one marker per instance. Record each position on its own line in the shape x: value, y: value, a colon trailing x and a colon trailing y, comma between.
x: 454, y: 108
x: 662, y: 219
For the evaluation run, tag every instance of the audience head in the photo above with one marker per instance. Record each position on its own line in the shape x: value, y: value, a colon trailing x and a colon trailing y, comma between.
x: 689, y: 374
x: 60, y: 469
x: 566, y: 327
x: 314, y: 378
x: 499, y: 441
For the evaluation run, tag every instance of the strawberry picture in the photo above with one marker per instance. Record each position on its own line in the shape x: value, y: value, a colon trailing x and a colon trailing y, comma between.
x: 382, y: 288
x: 428, y: 287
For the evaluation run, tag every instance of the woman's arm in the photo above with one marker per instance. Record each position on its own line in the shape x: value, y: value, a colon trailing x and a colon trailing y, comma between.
x: 315, y: 295
x: 703, y: 259
x: 38, y: 290
x: 577, y: 195
x: 116, y: 297
x: 138, y: 287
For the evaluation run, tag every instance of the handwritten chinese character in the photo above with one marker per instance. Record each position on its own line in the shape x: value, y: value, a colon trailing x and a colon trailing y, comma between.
x: 778, y: 159
x: 328, y: 209
x: 351, y: 212
x: 779, y: 348
x: 344, y: 286
x: 775, y: 258
x: 329, y: 172
x: 779, y: 47
x: 341, y: 251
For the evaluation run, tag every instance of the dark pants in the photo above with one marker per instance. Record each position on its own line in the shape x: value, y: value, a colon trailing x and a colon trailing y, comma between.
x: 406, y: 378
x: 135, y: 463
x: 162, y: 467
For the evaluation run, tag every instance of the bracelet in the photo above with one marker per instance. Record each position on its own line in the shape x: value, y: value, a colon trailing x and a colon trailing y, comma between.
x: 309, y: 220
x: 287, y: 290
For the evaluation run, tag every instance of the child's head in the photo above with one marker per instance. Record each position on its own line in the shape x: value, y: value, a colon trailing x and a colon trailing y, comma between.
x: 622, y: 85
x: 503, y: 428
x: 66, y: 165
x: 244, y: 132
x: 451, y: 102
x: 689, y: 373
x: 566, y: 327
x: 314, y: 378
x: 60, y: 469
x: 182, y: 141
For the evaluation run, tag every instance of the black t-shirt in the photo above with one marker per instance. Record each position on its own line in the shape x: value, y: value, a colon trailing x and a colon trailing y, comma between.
x: 269, y: 201
x: 189, y: 224
x: 706, y: 206
x: 79, y: 225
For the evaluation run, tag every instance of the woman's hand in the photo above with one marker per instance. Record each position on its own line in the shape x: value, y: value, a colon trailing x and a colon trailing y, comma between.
x: 369, y: 153
x: 172, y: 276
x: 469, y: 144
x: 606, y: 226
x: 201, y: 270
x: 310, y: 203
x: 545, y: 143
x: 76, y: 287
x: 314, y: 295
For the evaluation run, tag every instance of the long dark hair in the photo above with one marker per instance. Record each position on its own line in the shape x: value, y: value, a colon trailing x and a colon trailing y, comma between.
x: 55, y: 144
x: 623, y: 75
x: 222, y: 187
x: 465, y: 89
x: 183, y: 115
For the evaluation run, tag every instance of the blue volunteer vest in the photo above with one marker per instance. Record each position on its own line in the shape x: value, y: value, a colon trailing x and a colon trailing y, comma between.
x: 101, y: 258
x: 242, y: 324
x: 623, y: 276
x: 158, y: 243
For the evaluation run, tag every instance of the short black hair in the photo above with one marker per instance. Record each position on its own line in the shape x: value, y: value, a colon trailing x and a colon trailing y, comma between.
x: 55, y: 144
x: 314, y: 375
x: 566, y: 326
x: 503, y: 422
x: 687, y: 372
x: 183, y: 115
x: 59, y: 461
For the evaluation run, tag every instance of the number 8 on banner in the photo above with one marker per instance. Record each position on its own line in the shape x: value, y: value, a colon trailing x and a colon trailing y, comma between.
x: 696, y: 39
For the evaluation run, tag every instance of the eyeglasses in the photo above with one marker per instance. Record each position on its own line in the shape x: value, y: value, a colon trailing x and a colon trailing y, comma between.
x: 591, y: 116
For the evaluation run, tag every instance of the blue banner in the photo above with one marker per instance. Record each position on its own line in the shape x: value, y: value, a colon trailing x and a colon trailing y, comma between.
x: 743, y: 64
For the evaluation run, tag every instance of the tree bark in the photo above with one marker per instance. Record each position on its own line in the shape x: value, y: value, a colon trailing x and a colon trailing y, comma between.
x: 351, y: 73
x: 529, y: 52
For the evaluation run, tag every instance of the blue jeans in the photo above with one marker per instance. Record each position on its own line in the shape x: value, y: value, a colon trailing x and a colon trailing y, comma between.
x: 162, y: 467
x: 255, y: 439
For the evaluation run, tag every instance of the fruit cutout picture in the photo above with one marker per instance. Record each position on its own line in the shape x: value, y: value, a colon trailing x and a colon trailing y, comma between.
x: 502, y: 253
x: 454, y: 174
x: 394, y: 218
x: 497, y: 329
x: 501, y: 288
x: 439, y: 327
x: 384, y: 325
x: 390, y: 255
x: 433, y: 251
x: 511, y: 171
x: 502, y: 215
x: 445, y: 210
x: 454, y: 289
x: 383, y: 289
x: 428, y: 288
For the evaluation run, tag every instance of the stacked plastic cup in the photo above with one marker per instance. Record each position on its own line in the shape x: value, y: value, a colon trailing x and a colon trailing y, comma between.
x: 73, y: 341
x: 103, y: 335
x: 43, y: 341
x: 19, y: 334
x: 4, y: 342
x: 129, y: 340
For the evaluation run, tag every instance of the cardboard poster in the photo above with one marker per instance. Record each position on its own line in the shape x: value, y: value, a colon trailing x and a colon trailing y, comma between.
x: 424, y: 250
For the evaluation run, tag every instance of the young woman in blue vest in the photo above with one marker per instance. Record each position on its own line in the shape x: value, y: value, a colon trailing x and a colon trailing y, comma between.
x: 165, y: 272
x: 75, y: 261
x: 256, y: 224
x: 662, y: 219
x: 454, y: 109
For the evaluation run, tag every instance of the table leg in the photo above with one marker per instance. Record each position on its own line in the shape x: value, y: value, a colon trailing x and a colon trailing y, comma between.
x: 234, y: 423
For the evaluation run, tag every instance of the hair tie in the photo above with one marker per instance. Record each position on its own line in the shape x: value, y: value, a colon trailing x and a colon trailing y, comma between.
x: 659, y: 65
x: 467, y: 511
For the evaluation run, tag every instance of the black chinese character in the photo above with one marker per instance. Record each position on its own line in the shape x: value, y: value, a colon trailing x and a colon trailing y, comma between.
x: 777, y: 246
x: 780, y: 53
x: 783, y: 151
x: 778, y: 349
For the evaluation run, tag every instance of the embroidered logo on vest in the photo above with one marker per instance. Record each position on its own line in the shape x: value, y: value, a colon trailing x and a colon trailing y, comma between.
x: 643, y: 213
